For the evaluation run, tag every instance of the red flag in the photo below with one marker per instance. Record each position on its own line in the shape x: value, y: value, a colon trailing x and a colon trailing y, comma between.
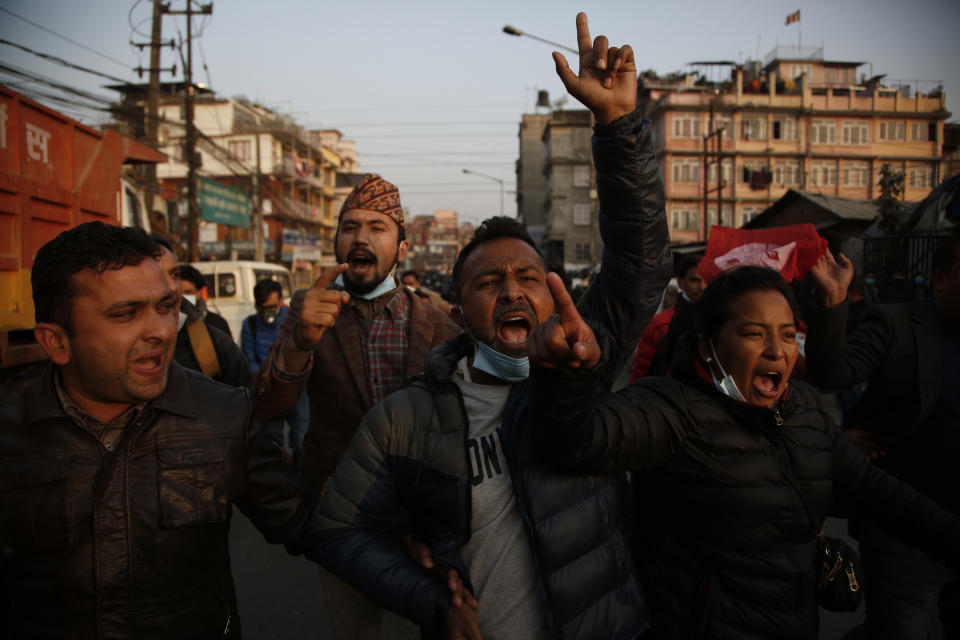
x: 793, y: 17
x: 790, y: 250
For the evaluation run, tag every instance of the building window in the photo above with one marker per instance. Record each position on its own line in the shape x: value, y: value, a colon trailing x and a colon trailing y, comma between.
x: 722, y: 122
x: 891, y: 131
x: 855, y: 132
x: 921, y: 178
x: 785, y: 129
x: 823, y: 174
x: 581, y: 214
x: 686, y: 125
x: 923, y: 131
x: 754, y: 128
x: 823, y: 132
x: 855, y: 174
x: 582, y: 251
x: 581, y: 176
x: 786, y: 173
x: 749, y: 212
x: 239, y: 149
x: 685, y: 216
x: 727, y: 172
x: 726, y: 216
x: 686, y: 170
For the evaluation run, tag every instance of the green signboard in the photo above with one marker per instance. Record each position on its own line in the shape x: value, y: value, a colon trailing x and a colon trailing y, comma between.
x: 222, y: 204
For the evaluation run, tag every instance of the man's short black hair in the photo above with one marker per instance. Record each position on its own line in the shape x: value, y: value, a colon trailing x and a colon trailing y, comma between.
x: 490, y: 229
x: 410, y: 272
x: 93, y: 246
x: 163, y: 242
x: 687, y: 262
x: 192, y: 275
x: 263, y: 289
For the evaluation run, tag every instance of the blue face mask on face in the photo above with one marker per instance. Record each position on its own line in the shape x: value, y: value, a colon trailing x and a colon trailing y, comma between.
x: 500, y: 365
x: 726, y: 385
x: 388, y: 284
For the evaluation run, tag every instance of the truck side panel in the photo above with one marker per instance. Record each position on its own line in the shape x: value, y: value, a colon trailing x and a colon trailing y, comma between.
x: 55, y: 173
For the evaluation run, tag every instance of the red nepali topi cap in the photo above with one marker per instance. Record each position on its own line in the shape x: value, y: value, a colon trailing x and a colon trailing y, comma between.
x: 375, y: 194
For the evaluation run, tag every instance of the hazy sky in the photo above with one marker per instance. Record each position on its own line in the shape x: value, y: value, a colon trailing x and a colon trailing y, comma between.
x: 427, y: 89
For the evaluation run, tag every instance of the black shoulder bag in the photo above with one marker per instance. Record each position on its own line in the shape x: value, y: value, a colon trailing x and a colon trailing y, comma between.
x: 840, y: 579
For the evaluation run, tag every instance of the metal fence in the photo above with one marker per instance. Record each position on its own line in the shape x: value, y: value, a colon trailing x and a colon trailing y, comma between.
x: 909, y: 254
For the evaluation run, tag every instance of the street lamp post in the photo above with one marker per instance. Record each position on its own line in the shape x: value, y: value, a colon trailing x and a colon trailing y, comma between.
x: 513, y: 31
x: 483, y: 175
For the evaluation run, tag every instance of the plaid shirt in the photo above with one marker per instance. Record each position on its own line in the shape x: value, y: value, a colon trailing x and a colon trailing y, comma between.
x: 384, y: 344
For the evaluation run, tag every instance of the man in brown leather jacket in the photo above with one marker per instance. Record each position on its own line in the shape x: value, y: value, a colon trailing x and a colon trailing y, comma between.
x: 119, y: 468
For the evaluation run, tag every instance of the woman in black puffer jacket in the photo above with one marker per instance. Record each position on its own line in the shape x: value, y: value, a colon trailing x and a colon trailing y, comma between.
x: 735, y: 465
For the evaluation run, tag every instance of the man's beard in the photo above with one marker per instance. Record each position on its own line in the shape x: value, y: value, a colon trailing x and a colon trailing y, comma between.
x: 359, y: 287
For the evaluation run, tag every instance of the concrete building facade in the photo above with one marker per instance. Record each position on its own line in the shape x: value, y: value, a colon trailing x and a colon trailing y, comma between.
x: 728, y: 150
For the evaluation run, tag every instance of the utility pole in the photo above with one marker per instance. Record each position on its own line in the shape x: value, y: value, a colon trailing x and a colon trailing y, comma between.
x: 190, y: 144
x: 259, y: 252
x: 715, y: 137
x: 153, y: 94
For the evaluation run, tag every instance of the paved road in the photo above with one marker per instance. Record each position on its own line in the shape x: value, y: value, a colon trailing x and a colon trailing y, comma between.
x: 280, y: 595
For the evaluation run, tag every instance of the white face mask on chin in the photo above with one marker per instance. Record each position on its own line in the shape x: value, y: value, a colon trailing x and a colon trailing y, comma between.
x: 726, y: 385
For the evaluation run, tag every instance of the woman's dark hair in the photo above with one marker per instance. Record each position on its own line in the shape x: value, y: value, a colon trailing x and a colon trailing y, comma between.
x: 263, y: 289
x: 489, y: 229
x: 713, y: 308
x: 93, y: 246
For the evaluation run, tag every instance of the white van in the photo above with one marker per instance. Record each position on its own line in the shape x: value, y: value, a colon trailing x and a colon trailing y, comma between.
x: 230, y: 287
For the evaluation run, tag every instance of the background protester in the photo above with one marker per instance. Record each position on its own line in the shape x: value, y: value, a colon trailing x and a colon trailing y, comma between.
x: 659, y: 339
x: 908, y: 420
x: 258, y: 334
x: 201, y: 347
x: 194, y: 288
x: 736, y: 466
x: 381, y: 334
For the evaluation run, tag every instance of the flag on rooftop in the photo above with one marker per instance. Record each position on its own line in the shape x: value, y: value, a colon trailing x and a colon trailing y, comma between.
x: 793, y: 17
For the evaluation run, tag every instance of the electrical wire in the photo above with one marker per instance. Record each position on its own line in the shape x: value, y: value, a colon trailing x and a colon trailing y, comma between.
x: 63, y: 37
x: 61, y: 61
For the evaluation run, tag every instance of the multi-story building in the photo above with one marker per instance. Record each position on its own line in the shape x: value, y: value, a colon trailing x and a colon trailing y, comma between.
x: 570, y: 236
x: 434, y: 242
x: 289, y: 172
x: 531, y: 181
x: 727, y: 150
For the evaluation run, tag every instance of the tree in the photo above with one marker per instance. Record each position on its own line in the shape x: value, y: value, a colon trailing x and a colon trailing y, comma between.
x: 888, y: 204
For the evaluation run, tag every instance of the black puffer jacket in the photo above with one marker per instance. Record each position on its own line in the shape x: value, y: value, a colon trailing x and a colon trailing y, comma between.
x: 728, y: 547
x: 409, y: 453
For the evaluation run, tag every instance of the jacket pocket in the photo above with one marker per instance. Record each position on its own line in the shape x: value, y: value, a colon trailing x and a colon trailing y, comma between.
x: 192, y: 482
x: 35, y: 506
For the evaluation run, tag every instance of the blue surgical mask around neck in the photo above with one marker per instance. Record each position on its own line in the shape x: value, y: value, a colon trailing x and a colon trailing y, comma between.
x: 500, y: 365
x: 388, y: 284
x: 727, y: 386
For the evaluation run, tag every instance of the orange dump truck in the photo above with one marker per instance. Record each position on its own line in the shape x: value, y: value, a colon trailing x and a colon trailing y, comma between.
x: 55, y: 173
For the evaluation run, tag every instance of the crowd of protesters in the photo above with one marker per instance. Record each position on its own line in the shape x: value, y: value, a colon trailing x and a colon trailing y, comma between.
x: 459, y: 462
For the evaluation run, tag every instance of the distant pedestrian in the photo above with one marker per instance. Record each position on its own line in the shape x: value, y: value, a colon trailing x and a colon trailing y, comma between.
x: 194, y: 286
x: 659, y: 340
x: 257, y: 335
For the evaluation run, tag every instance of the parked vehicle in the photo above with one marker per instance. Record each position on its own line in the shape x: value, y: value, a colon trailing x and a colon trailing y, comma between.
x: 55, y: 173
x: 230, y: 287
